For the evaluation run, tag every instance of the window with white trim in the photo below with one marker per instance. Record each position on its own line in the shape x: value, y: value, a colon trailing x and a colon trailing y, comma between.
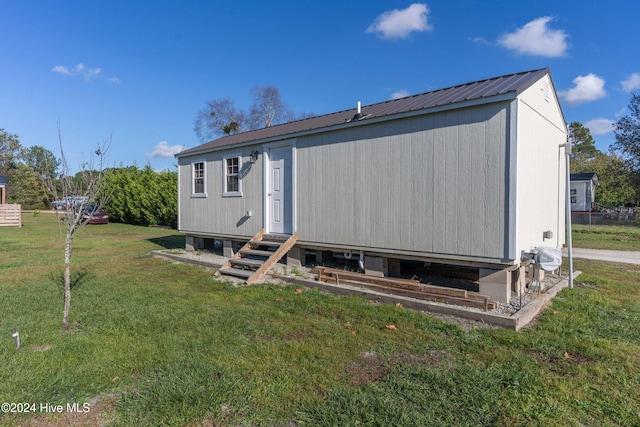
x: 198, y: 179
x: 232, y: 180
x: 574, y: 195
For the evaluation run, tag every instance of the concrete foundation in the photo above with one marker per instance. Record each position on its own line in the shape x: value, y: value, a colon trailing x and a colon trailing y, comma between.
x: 376, y: 266
x: 189, y: 245
x: 496, y: 284
x: 519, y: 281
x: 296, y: 257
x: 193, y: 243
x: 228, y: 248
x: 394, y: 267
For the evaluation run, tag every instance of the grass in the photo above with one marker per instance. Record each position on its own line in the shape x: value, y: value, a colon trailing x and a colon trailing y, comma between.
x: 176, y: 347
x: 615, y: 237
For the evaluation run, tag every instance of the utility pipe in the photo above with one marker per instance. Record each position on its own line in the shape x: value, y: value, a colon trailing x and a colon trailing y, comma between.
x: 567, y: 152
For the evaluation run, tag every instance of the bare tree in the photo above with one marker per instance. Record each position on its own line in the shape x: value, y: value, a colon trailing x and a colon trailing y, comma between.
x: 82, y: 195
x: 268, y: 109
x: 221, y: 117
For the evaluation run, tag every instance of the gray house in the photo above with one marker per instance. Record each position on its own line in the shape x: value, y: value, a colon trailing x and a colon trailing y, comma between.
x: 469, y: 175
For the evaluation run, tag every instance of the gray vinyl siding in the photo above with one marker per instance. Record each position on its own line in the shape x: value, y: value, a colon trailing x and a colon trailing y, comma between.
x: 432, y: 184
x: 215, y: 214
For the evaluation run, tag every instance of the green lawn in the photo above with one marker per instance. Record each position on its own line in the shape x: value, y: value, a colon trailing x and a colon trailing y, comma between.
x: 616, y: 237
x: 166, y: 344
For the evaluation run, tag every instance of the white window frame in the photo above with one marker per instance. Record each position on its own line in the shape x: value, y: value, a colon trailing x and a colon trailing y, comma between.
x: 225, y: 175
x: 204, y: 178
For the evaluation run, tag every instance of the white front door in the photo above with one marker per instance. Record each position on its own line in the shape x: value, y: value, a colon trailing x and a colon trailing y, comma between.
x: 279, y: 191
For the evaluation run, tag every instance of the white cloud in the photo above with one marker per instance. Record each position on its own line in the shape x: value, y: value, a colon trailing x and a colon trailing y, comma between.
x: 81, y: 70
x: 87, y: 73
x: 480, y: 40
x: 61, y: 70
x: 585, y: 88
x: 399, y: 94
x: 632, y: 83
x: 398, y: 24
x: 537, y: 39
x: 599, y: 126
x: 165, y: 150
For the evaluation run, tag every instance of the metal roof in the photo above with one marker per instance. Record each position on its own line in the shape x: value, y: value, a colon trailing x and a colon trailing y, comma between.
x: 482, y: 90
x: 584, y: 176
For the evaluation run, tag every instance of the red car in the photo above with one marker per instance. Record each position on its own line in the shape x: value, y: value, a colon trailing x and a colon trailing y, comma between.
x: 93, y: 215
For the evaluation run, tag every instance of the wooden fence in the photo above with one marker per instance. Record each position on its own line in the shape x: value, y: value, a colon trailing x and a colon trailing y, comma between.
x: 10, y: 216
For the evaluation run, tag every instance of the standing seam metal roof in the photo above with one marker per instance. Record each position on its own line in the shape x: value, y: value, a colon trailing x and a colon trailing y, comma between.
x: 512, y: 83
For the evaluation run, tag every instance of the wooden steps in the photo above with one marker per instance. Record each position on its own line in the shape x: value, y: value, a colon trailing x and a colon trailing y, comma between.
x: 406, y: 287
x: 254, y: 260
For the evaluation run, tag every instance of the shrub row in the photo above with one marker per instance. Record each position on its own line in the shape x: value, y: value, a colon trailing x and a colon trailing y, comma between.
x: 141, y: 196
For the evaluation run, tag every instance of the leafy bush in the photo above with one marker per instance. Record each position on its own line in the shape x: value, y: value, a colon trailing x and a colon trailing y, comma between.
x: 142, y: 196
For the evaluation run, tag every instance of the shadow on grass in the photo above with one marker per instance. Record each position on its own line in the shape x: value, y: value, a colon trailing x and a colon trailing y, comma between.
x: 175, y: 241
x: 77, y: 278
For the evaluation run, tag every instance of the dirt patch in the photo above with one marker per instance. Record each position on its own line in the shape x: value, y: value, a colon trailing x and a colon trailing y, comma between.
x: 41, y: 348
x: 563, y: 363
x: 296, y: 336
x: 432, y: 358
x: 370, y: 368
x: 98, y: 411
x: 367, y: 369
x: 567, y: 358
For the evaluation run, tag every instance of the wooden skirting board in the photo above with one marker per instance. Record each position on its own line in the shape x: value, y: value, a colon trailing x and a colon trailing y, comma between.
x: 405, y: 287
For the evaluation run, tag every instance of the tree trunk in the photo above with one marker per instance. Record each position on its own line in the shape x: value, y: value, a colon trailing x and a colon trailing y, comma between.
x: 67, y: 283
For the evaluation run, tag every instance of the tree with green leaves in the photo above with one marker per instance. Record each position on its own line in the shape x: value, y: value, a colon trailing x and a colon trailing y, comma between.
x: 615, y: 179
x: 583, y: 146
x: 41, y: 160
x: 627, y: 131
x: 27, y: 189
x: 9, y: 154
x: 10, y: 149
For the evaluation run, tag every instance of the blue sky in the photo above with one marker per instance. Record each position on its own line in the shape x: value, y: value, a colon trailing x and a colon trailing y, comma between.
x: 141, y: 70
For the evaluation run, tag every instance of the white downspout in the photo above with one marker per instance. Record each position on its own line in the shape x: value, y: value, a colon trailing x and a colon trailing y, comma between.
x: 567, y: 152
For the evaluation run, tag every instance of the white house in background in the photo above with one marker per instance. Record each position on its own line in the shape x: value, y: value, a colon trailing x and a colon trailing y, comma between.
x: 3, y: 189
x: 583, y: 194
x: 468, y: 175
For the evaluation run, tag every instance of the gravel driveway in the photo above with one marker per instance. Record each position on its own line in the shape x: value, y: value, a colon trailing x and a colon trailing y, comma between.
x: 626, y: 257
